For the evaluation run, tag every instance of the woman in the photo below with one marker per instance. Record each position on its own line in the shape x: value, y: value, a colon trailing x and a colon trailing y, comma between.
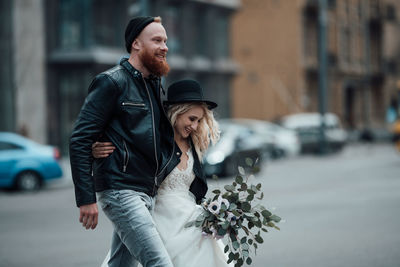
x: 194, y: 128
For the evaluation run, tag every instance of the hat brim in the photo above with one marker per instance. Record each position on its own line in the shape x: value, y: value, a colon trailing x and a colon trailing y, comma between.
x: 210, y: 104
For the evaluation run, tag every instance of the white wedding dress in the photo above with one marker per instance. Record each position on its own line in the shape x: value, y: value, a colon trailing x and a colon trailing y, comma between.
x: 175, y: 206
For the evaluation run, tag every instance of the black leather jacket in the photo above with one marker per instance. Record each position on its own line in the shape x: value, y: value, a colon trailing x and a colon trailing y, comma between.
x: 119, y: 109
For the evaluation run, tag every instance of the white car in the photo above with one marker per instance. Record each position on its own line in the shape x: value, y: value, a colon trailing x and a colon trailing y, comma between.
x: 307, y: 125
x: 285, y: 142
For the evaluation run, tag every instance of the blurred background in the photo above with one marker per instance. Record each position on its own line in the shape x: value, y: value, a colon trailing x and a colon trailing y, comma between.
x: 311, y: 87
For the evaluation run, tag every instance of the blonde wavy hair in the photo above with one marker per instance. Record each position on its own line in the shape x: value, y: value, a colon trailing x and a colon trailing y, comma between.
x: 207, y: 131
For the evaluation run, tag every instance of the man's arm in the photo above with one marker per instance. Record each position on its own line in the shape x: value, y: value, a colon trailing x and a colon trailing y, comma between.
x: 92, y: 120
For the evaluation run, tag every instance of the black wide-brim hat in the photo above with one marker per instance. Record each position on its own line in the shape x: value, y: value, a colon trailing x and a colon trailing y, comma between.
x: 187, y: 91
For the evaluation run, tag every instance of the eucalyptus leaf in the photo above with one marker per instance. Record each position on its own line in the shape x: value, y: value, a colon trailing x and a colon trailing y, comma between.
x: 249, y: 162
x: 216, y: 191
x: 232, y: 207
x: 258, y: 223
x: 246, y: 206
x: 266, y: 213
x: 250, y: 197
x: 189, y: 224
x: 245, y: 246
x: 229, y: 188
x: 250, y: 241
x: 241, y: 170
x: 248, y: 261
x: 245, y: 253
x: 250, y: 225
x: 275, y: 218
x: 239, y: 262
x: 258, y: 186
x: 239, y: 179
x: 236, y: 245
x: 221, y: 231
x: 259, y: 239
x: 251, y: 191
x: 231, y: 256
x: 226, y: 249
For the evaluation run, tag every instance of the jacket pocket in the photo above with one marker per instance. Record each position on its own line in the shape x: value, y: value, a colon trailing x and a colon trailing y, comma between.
x: 133, y: 104
x: 126, y: 156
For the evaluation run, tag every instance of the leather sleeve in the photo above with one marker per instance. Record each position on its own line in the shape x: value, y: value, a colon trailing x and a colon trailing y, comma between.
x: 97, y: 110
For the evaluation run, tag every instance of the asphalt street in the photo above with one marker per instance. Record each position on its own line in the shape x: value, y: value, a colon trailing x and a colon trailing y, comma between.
x: 338, y: 210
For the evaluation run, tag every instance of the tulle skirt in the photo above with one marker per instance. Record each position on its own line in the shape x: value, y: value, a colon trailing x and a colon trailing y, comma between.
x: 187, y: 247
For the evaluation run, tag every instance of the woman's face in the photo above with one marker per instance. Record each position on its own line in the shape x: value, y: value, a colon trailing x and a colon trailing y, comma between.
x: 187, y: 122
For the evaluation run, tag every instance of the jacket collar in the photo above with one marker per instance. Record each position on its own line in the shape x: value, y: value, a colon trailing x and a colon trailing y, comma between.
x: 134, y: 72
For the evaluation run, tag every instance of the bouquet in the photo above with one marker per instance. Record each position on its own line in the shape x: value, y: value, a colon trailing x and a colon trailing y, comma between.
x: 232, y: 213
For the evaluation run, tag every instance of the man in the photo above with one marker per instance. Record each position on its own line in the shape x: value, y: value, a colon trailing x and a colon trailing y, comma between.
x: 123, y: 107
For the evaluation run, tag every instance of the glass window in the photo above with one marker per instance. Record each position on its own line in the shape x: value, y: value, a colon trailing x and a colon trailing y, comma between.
x: 70, y: 27
x: 108, y: 20
x: 201, y: 30
x: 222, y: 36
x: 171, y: 20
x: 8, y: 146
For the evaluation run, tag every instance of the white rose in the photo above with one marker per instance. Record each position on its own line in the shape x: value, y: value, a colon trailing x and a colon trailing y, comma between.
x: 214, y: 207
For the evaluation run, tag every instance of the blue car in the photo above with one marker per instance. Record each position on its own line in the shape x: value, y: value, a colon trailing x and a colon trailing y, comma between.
x: 26, y: 165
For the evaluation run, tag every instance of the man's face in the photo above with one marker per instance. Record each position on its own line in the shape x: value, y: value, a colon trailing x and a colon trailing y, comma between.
x: 153, y: 49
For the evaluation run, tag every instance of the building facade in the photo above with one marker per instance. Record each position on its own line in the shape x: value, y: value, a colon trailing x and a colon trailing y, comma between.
x: 278, y: 54
x: 57, y: 47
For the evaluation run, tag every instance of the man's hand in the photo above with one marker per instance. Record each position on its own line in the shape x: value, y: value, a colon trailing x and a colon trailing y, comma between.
x: 102, y: 149
x: 89, y: 215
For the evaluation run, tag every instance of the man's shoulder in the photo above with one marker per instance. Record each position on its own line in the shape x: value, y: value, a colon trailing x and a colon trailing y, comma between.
x: 117, y: 70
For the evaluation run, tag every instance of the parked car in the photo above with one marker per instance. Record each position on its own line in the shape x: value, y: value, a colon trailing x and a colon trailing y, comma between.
x: 283, y: 141
x: 235, y: 145
x: 25, y: 164
x: 307, y: 125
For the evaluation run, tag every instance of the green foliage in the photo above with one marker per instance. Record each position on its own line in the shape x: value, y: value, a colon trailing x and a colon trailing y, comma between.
x: 236, y: 211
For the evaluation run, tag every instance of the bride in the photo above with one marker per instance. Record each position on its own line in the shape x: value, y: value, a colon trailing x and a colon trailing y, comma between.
x: 185, y: 185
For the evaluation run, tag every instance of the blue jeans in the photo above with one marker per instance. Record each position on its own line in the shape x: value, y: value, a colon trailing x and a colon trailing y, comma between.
x: 135, y: 238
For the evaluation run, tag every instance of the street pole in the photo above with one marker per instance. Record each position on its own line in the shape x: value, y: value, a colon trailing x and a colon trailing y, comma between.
x: 366, y: 84
x: 322, y: 71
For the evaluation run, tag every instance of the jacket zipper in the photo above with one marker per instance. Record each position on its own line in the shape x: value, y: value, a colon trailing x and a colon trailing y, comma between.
x: 133, y: 104
x: 154, y: 134
x: 126, y: 156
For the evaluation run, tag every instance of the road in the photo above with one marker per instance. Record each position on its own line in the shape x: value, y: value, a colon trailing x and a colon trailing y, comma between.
x: 338, y: 210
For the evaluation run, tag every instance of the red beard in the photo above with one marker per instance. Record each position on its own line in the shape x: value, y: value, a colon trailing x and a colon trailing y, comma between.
x: 153, y: 64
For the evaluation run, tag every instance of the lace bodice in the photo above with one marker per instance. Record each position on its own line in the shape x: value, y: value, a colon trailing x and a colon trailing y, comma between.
x: 179, y: 179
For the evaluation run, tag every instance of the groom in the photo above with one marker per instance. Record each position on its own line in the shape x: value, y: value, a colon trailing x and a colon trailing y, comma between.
x: 124, y: 107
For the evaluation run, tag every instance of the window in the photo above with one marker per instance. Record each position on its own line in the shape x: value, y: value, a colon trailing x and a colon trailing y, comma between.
x: 108, y: 20
x: 171, y: 21
x: 70, y: 33
x: 222, y: 36
x: 8, y: 146
x: 200, y: 34
x: 390, y: 13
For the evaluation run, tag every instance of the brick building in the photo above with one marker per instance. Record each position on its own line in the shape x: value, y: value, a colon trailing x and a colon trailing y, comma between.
x: 276, y: 44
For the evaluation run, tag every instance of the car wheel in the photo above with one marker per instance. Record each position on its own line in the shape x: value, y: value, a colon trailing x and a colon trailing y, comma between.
x: 28, y: 181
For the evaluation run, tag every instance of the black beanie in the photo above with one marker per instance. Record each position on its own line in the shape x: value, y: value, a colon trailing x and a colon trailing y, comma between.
x: 134, y: 28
